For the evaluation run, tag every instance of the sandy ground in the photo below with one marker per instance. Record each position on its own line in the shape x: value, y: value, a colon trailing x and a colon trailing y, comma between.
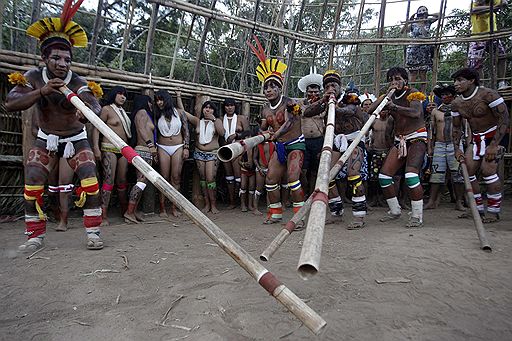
x: 456, y: 291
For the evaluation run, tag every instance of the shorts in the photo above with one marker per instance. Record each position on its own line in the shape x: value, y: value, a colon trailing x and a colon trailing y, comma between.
x: 313, y: 148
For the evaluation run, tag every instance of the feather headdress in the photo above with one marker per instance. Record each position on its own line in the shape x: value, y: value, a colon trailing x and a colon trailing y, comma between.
x: 267, y: 69
x: 63, y: 30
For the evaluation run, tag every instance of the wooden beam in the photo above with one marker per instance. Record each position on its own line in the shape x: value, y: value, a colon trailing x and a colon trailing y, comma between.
x: 151, y: 36
x: 96, y: 32
x: 378, y: 49
x: 334, y: 30
x: 127, y: 29
x: 291, y: 50
x: 200, y: 51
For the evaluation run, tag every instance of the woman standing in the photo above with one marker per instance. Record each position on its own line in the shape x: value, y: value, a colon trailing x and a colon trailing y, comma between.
x: 236, y: 127
x: 208, y: 129
x: 419, y: 58
x: 173, y: 143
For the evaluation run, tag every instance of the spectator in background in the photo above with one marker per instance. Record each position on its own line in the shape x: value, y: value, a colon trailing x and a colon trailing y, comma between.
x: 481, y: 23
x: 419, y: 58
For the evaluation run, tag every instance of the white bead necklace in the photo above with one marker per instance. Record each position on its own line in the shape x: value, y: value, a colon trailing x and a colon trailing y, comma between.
x: 470, y: 96
x: 277, y: 105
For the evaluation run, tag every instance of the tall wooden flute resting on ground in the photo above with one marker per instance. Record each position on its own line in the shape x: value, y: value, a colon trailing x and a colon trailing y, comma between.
x: 479, y: 226
x: 290, y: 225
x: 265, y: 278
x: 309, y: 259
x: 233, y: 150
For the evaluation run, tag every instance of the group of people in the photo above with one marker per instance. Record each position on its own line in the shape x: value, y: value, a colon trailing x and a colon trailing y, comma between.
x: 158, y: 129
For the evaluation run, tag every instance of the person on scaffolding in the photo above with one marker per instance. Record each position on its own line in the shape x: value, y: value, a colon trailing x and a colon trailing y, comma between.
x: 419, y: 58
x: 61, y: 127
x: 281, y: 116
x: 488, y: 118
x: 409, y: 149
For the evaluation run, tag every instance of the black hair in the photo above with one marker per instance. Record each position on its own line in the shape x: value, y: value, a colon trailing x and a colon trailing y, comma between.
x: 467, y: 73
x: 111, y: 96
x: 55, y: 43
x: 397, y: 71
x: 229, y: 101
x: 139, y: 102
x: 209, y: 103
x: 317, y: 86
x: 168, y: 110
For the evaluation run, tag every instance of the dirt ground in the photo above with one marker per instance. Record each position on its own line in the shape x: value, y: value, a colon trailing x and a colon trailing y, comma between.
x: 456, y: 291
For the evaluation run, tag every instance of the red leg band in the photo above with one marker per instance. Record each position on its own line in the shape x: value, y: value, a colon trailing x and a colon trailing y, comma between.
x: 107, y: 187
x: 35, y: 228
x: 92, y: 221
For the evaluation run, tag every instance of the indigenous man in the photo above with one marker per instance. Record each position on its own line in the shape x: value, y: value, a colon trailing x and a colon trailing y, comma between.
x: 115, y: 165
x: 313, y: 128
x: 440, y: 149
x: 144, y: 137
x: 410, y: 146
x: 348, y: 122
x: 281, y: 116
x: 61, y: 126
x: 488, y: 118
x: 481, y: 23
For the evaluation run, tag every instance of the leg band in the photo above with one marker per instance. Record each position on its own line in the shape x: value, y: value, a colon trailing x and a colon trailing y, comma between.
x: 394, y: 206
x: 251, y: 192
x: 53, y: 189
x: 297, y: 206
x: 472, y: 178
x: 238, y: 180
x: 242, y: 191
x: 479, y: 202
x: 141, y: 185
x: 494, y: 203
x: 336, y: 206
x: 275, y: 211
x: 211, y: 185
x: 284, y: 186
x: 271, y: 188
x: 412, y: 180
x: 66, y: 188
x: 202, y: 184
x: 295, y: 185
x: 417, y: 209
x: 355, y: 182
x: 35, y: 228
x: 257, y: 193
x: 122, y: 187
x: 332, y: 184
x: 35, y: 193
x: 385, y: 180
x: 92, y: 217
x: 491, y: 179
x: 88, y: 186
x: 230, y: 179
x: 107, y: 187
x: 359, y: 206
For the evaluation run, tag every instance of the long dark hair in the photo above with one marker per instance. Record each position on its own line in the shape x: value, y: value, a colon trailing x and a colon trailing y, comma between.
x: 111, y: 96
x: 140, y: 102
x: 209, y: 103
x: 168, y: 109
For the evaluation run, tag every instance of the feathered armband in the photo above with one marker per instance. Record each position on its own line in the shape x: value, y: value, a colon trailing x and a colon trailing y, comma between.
x: 416, y: 96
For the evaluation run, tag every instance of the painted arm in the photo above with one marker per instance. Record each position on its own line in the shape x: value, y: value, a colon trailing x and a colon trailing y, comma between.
x: 316, y: 108
x: 457, y: 133
x: 431, y: 133
x: 414, y: 111
x: 184, y: 128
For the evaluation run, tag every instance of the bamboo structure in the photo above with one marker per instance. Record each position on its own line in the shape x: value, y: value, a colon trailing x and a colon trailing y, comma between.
x: 477, y: 220
x: 264, y: 277
x: 312, y: 245
x: 292, y: 223
x: 233, y: 150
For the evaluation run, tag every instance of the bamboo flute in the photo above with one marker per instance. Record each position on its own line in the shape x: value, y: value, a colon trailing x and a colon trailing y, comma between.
x: 235, y: 149
x: 264, y: 277
x: 479, y: 226
x: 309, y: 259
x: 290, y: 225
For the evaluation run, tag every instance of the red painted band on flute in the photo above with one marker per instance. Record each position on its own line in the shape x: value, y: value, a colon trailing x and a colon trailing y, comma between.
x: 70, y: 95
x: 320, y: 196
x: 129, y: 153
x: 290, y: 226
x: 269, y: 282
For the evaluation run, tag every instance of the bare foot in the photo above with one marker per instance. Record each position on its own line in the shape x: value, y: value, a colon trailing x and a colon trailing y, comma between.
x: 176, y: 213
x: 105, y: 222
x: 206, y: 209
x: 256, y: 212
x: 459, y: 207
x: 244, y: 208
x: 130, y: 218
x: 214, y: 210
x: 270, y: 221
x: 430, y: 206
x: 139, y: 216
x: 61, y: 227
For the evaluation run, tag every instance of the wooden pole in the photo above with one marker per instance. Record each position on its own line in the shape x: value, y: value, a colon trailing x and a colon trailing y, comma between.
x: 309, y: 261
x: 477, y: 220
x: 151, y: 36
x: 96, y: 32
x: 290, y: 225
x: 200, y: 51
x: 492, y: 50
x: 435, y: 66
x: 176, y: 47
x: 233, y: 150
x: 334, y: 31
x: 356, y: 35
x: 319, y: 29
x: 264, y: 277
x: 129, y: 16
x: 378, y: 49
x: 291, y: 50
x: 2, y: 19
x: 36, y: 9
